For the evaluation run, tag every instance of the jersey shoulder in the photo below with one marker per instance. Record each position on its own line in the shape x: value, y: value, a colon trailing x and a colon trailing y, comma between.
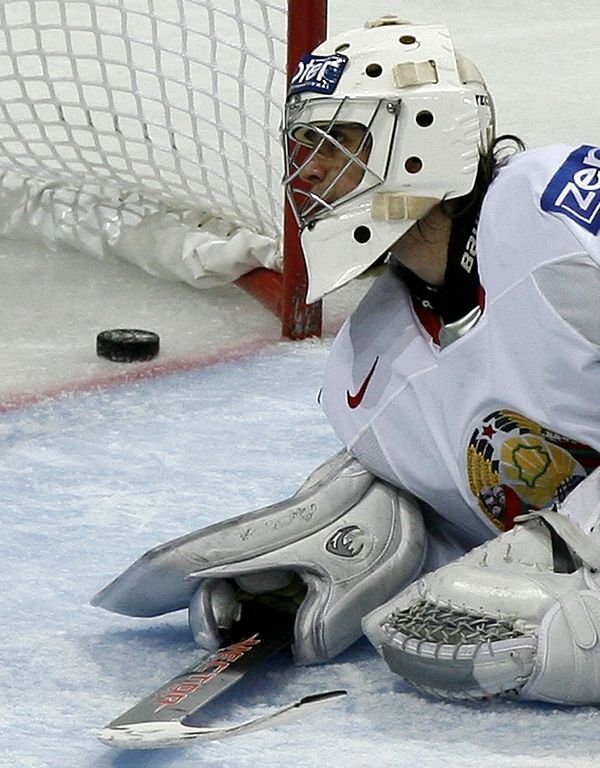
x: 540, y: 220
x: 542, y: 207
x: 552, y: 192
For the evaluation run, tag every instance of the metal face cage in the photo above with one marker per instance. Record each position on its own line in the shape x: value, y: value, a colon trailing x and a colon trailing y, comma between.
x: 317, y: 128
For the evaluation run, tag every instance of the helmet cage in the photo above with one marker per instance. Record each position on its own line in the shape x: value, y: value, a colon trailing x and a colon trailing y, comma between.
x: 428, y: 118
x: 311, y: 206
x: 319, y: 118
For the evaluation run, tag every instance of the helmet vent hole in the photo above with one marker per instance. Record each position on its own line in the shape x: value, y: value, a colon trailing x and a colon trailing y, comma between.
x: 424, y: 118
x: 362, y: 235
x: 408, y: 39
x: 374, y: 70
x: 413, y: 164
x: 342, y: 47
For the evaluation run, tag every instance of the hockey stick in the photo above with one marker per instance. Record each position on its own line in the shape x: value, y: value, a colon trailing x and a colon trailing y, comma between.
x: 172, y: 715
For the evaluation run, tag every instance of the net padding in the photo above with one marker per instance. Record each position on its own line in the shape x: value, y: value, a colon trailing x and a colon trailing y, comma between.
x: 128, y: 123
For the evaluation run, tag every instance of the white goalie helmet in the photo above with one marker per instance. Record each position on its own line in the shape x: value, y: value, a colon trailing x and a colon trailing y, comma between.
x: 381, y: 124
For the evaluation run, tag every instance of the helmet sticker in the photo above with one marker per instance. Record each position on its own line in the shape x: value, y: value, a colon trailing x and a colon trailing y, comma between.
x: 574, y: 190
x: 318, y: 74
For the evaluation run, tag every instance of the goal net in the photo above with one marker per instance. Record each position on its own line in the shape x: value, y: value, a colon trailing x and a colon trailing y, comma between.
x: 148, y: 130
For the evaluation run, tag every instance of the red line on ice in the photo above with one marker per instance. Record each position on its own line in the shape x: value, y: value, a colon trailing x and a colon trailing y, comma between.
x: 140, y: 372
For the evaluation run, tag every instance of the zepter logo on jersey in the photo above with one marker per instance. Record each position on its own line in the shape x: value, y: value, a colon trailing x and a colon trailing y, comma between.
x: 381, y: 123
x: 574, y: 190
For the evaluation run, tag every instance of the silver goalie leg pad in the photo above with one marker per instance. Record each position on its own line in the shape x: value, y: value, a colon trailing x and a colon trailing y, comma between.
x: 519, y: 615
x: 348, y: 540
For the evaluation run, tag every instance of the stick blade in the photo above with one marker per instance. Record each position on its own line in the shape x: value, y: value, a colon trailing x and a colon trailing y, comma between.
x: 177, y: 733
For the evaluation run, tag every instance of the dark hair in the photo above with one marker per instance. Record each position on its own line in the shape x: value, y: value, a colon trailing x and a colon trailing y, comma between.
x: 460, y: 291
x: 463, y: 210
x: 501, y: 149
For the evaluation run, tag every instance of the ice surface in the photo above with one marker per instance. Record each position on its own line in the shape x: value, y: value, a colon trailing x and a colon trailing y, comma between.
x: 92, y: 481
x: 227, y: 421
x: 54, y: 304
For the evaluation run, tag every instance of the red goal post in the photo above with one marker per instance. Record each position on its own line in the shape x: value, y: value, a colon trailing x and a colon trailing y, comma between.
x: 284, y: 293
x: 148, y: 130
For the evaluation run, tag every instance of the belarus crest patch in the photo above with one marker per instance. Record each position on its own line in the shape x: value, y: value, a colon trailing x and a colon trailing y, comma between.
x: 516, y: 465
x: 574, y: 190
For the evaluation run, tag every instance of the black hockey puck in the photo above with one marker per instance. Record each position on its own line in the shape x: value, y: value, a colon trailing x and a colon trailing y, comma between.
x: 127, y: 345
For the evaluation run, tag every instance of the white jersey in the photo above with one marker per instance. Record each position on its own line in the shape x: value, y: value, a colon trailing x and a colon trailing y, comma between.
x: 507, y: 417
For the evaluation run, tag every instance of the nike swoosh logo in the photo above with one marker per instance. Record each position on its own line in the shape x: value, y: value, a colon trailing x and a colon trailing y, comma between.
x: 355, y: 400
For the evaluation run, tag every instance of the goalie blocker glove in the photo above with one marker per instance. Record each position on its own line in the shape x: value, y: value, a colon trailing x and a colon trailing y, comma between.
x: 342, y: 545
x: 517, y: 615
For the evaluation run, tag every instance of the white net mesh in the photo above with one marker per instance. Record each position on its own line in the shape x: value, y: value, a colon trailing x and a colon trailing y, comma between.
x: 116, y: 113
